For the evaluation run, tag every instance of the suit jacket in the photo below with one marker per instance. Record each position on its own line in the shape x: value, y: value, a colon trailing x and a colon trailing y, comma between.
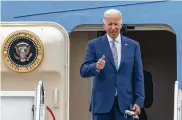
x: 127, y: 80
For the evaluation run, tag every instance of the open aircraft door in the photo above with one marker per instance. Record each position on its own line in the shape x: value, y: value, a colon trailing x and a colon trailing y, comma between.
x: 33, y: 51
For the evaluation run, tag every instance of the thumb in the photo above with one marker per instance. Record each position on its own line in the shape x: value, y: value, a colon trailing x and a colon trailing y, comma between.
x: 134, y: 107
x: 103, y: 57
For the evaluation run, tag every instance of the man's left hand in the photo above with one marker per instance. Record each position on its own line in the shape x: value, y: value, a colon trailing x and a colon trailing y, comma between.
x: 136, y: 108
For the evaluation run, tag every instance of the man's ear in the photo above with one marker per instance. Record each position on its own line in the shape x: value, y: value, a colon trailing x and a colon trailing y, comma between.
x: 104, y: 26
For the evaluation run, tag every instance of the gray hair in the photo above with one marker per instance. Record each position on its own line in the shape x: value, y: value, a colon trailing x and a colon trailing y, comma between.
x: 111, y: 11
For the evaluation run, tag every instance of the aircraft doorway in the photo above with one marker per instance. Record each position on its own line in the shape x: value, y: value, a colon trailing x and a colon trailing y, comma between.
x: 158, y: 47
x: 159, y: 58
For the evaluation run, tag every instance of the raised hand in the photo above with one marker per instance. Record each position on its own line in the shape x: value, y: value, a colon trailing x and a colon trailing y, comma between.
x: 101, y: 63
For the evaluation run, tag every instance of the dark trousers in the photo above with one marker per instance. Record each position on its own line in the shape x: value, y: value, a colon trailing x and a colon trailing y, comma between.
x: 114, y: 114
x: 143, y: 115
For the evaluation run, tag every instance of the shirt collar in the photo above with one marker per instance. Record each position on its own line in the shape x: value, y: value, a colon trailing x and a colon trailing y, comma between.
x: 118, y: 39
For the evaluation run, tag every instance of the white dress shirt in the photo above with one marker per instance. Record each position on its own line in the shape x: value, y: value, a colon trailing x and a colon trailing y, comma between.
x: 118, y: 46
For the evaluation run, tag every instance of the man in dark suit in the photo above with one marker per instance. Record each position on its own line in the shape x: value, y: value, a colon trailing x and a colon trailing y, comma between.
x: 148, y: 83
x: 114, y: 62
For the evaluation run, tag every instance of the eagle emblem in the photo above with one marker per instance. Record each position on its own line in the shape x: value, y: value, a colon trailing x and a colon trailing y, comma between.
x: 22, y: 52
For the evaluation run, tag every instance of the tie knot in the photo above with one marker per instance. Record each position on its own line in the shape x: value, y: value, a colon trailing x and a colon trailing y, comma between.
x: 113, y: 42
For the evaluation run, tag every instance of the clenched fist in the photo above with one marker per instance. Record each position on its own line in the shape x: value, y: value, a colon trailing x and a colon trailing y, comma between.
x: 136, y: 108
x: 100, y: 63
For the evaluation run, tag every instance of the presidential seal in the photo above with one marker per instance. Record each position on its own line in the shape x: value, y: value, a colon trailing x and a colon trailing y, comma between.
x: 22, y: 51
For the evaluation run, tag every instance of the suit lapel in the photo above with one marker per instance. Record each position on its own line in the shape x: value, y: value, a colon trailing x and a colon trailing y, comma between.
x: 108, y: 50
x: 124, y: 45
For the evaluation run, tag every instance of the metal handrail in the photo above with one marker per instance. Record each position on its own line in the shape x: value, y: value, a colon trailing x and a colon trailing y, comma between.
x: 39, y: 100
x: 175, y: 116
x: 179, y: 104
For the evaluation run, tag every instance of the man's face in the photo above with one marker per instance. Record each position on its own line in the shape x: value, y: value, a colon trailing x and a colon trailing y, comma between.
x: 112, y: 25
